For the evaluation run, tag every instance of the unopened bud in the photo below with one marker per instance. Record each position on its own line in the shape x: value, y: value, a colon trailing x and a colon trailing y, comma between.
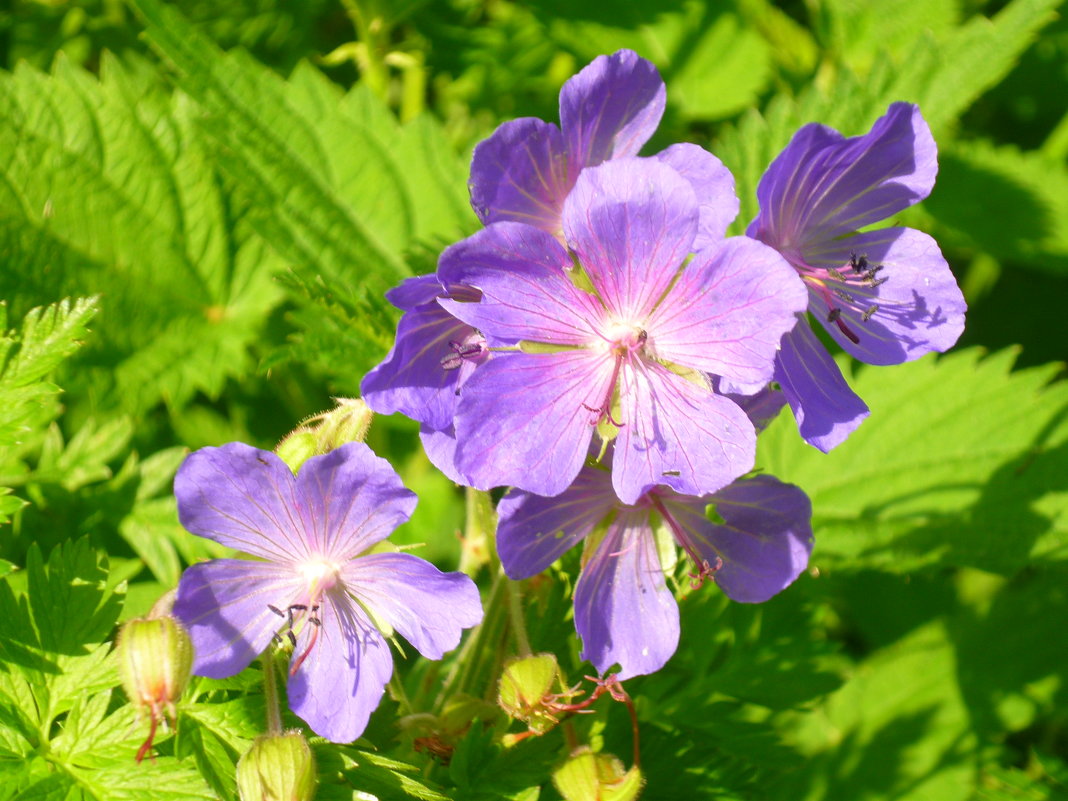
x: 324, y: 432
x: 587, y: 776
x: 155, y: 661
x: 278, y: 767
x: 526, y: 691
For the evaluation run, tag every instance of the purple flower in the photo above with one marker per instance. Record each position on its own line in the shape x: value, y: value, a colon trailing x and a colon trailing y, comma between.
x: 628, y: 353
x: 526, y: 169
x: 886, y: 296
x: 624, y: 611
x: 309, y: 582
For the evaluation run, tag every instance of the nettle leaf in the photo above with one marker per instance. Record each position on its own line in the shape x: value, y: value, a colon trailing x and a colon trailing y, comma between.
x: 340, y: 195
x: 112, y: 191
x: 48, y: 336
x: 1006, y: 202
x: 899, y: 728
x: 961, y: 462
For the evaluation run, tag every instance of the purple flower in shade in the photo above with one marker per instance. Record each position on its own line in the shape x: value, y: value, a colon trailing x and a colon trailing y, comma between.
x: 525, y: 170
x: 309, y: 582
x: 886, y: 296
x: 628, y: 353
x: 624, y: 611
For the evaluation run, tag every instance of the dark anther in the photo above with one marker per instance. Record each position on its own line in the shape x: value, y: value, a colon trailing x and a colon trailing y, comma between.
x: 870, y: 311
x: 292, y: 638
x: 834, y: 314
x: 845, y: 296
x: 276, y: 610
x: 874, y: 282
x: 833, y: 273
x: 459, y: 354
x: 858, y: 263
x: 315, y: 621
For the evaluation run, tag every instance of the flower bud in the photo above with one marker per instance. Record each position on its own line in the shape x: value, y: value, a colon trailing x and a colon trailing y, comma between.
x: 278, y: 767
x: 587, y: 776
x: 525, y: 691
x: 324, y: 432
x: 155, y: 661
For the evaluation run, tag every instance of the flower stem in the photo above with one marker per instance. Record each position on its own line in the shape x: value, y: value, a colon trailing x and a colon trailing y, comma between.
x: 270, y: 691
x: 518, y: 620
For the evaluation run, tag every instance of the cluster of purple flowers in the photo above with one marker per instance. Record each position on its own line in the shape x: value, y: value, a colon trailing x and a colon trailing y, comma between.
x: 602, y: 347
x: 606, y: 352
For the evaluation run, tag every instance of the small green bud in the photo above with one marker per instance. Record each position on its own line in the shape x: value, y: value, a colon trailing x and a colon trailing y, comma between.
x: 155, y: 661
x: 587, y: 776
x: 525, y: 691
x: 278, y: 767
x: 326, y: 431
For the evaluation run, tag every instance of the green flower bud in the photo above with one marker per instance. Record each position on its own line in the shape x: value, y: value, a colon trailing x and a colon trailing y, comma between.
x: 587, y: 776
x: 525, y: 691
x: 278, y: 767
x: 324, y: 432
x: 155, y: 661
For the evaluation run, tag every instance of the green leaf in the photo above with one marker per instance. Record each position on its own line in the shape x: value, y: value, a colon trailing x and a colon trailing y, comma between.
x: 961, y: 462
x: 52, y: 632
x: 1003, y: 201
x: 47, y: 337
x: 114, y: 190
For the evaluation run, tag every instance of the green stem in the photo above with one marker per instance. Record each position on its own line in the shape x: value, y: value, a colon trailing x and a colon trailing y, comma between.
x: 373, y: 69
x: 517, y: 618
x: 270, y: 691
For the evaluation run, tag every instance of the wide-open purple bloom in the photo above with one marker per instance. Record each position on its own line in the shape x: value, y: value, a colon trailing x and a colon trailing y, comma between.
x: 525, y: 170
x: 621, y: 344
x: 886, y: 296
x: 624, y: 611
x: 308, y: 581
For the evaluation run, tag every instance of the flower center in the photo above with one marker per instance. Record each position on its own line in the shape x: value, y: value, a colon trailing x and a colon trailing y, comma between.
x: 847, y: 288
x: 622, y: 340
x: 320, y: 576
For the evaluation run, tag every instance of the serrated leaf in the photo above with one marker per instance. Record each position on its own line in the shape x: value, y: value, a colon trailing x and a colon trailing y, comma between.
x: 316, y: 203
x: 961, y: 462
x: 114, y: 191
x: 48, y: 336
x: 1006, y: 202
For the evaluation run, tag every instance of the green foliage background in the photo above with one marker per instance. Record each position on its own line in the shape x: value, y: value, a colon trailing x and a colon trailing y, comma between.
x: 201, y: 205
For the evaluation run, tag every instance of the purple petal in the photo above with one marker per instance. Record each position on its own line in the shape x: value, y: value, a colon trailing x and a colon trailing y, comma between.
x: 712, y: 183
x: 354, y: 498
x: 526, y: 293
x: 525, y: 420
x: 534, y: 531
x: 416, y: 378
x: 632, y: 223
x: 678, y: 434
x: 728, y: 311
x: 440, y: 448
x: 611, y: 108
x: 824, y: 185
x: 624, y: 612
x: 429, y: 608
x: 224, y: 604
x: 765, y: 541
x: 522, y: 174
x: 344, y: 672
x: 415, y: 292
x: 915, y: 308
x: 243, y: 498
x: 826, y: 409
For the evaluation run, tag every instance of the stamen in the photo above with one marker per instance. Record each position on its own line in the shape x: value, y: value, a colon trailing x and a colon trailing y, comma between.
x: 845, y: 296
x: 460, y: 354
x: 858, y: 263
x: 845, y: 330
x: 834, y: 314
x: 870, y: 311
x: 837, y: 276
